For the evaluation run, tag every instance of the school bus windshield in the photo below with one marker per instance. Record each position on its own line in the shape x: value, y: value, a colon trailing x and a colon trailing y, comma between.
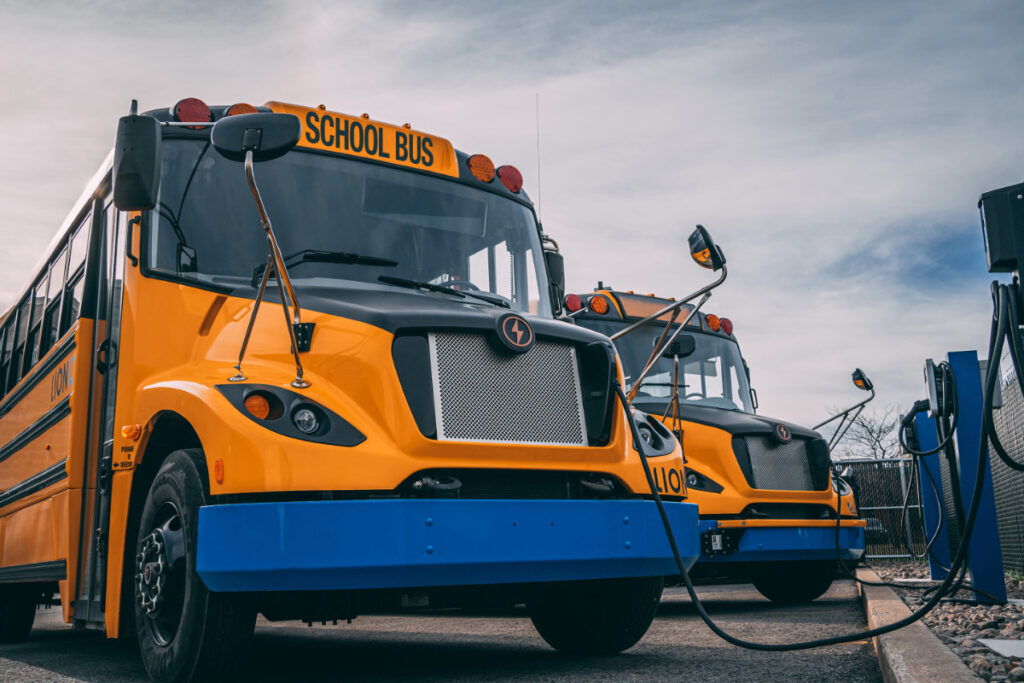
x: 433, y: 230
x: 713, y: 375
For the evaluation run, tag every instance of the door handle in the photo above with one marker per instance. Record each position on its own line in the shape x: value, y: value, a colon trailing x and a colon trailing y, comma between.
x: 106, y: 356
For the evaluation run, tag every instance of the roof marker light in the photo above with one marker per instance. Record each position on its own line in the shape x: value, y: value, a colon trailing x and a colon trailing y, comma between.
x: 511, y: 178
x: 726, y: 326
x: 241, y: 108
x: 713, y: 322
x: 481, y: 167
x: 192, y: 109
x: 573, y: 302
x: 598, y: 304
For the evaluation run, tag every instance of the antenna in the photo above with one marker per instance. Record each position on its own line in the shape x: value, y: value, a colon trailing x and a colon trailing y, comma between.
x: 540, y: 215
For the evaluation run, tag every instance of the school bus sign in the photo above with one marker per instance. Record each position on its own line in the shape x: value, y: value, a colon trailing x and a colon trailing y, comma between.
x: 360, y: 136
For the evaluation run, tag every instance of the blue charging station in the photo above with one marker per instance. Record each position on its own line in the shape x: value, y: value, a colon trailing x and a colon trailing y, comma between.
x: 985, y: 557
x: 927, y: 437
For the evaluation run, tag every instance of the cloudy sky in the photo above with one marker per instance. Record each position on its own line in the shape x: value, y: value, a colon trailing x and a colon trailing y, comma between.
x: 835, y: 150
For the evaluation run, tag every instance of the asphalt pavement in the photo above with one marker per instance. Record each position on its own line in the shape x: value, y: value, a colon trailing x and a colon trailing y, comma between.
x: 453, y: 646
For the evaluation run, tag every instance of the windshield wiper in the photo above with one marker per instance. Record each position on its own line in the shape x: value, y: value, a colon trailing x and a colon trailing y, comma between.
x: 415, y: 284
x: 319, y: 256
x: 489, y: 297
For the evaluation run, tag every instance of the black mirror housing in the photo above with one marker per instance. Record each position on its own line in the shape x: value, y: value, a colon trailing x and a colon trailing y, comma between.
x: 267, y: 136
x: 682, y: 346
x: 704, y: 251
x: 555, y: 264
x: 136, y: 172
x: 861, y: 381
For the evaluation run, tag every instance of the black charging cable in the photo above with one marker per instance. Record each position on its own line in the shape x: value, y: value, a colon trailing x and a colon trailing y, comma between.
x: 822, y: 642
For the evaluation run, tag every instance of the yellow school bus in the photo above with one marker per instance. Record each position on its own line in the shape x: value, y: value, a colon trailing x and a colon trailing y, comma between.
x: 289, y: 361
x: 767, y: 498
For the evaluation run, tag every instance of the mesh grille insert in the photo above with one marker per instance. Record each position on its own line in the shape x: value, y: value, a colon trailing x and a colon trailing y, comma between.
x: 481, y: 395
x: 780, y: 467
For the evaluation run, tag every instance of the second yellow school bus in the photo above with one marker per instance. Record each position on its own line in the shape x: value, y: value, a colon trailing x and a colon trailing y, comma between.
x: 287, y: 361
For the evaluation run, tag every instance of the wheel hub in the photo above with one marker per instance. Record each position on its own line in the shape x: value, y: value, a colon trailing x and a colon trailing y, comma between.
x: 150, y: 575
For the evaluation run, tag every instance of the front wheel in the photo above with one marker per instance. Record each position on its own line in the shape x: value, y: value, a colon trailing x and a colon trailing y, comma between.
x: 596, y: 617
x: 791, y: 582
x: 185, y: 632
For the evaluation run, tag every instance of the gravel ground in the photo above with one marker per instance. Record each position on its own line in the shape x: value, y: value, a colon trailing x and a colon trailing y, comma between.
x: 960, y: 626
x: 458, y: 647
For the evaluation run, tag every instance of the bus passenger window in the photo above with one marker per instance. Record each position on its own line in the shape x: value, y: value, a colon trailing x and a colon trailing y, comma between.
x: 76, y: 279
x: 6, y: 340
x: 51, y: 319
x: 37, y: 304
x: 18, y: 355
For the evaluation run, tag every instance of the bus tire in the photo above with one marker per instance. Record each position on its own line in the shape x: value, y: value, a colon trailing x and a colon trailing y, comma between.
x: 596, y: 617
x: 792, y: 582
x: 17, y: 611
x: 185, y: 632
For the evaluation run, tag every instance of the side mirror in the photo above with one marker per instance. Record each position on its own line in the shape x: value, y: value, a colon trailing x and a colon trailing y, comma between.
x: 267, y: 136
x: 704, y: 251
x: 136, y: 172
x: 556, y: 276
x: 861, y: 381
x: 683, y: 346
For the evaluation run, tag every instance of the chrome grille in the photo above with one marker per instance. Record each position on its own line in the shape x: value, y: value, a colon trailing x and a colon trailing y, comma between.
x: 780, y: 467
x: 482, y: 395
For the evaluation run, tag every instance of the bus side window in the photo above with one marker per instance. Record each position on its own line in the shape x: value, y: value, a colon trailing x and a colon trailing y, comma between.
x: 37, y: 304
x: 51, y: 318
x: 18, y: 355
x: 76, y: 280
x: 6, y: 336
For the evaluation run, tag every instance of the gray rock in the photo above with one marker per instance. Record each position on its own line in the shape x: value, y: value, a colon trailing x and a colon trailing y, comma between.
x: 1017, y: 673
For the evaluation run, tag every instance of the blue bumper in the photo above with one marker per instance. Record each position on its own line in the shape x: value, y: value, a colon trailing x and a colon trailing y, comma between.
x: 330, y: 545
x: 773, y: 544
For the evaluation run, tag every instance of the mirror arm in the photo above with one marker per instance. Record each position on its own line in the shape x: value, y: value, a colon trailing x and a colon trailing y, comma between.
x: 847, y: 411
x: 284, y: 283
x: 671, y: 307
x: 658, y: 350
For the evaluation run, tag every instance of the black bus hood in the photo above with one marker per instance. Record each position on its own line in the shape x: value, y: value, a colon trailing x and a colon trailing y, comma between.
x: 732, y: 421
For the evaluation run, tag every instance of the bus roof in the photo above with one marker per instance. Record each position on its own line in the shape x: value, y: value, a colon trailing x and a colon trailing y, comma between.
x: 360, y: 137
x: 629, y: 306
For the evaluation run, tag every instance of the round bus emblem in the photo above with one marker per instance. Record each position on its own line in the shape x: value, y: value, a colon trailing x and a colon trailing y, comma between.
x: 515, y: 333
x: 783, y: 434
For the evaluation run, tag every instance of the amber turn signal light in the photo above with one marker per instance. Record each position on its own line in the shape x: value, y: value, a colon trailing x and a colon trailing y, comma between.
x: 713, y: 322
x: 131, y: 432
x: 218, y: 470
x: 258, y: 406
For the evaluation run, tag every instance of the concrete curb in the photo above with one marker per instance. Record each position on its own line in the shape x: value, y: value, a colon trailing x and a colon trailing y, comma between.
x: 912, y: 654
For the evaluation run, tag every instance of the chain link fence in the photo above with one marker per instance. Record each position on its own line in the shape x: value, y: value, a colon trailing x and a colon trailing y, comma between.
x: 881, y: 486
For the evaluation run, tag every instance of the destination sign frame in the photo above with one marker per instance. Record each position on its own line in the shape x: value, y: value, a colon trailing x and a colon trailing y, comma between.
x: 365, y: 138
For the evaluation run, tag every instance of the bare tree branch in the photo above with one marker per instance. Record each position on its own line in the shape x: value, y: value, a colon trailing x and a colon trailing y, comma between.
x: 872, y: 435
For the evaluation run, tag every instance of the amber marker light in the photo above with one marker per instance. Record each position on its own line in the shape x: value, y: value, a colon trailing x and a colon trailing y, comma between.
x: 481, y: 167
x: 218, y: 470
x: 258, y: 406
x: 241, y: 108
x: 598, y: 304
x: 713, y: 322
x: 131, y: 432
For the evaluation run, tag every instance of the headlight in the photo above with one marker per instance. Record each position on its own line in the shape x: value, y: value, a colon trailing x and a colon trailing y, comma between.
x: 306, y: 421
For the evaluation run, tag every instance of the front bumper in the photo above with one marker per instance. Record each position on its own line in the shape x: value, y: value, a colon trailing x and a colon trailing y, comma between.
x: 366, y: 544
x: 779, y: 540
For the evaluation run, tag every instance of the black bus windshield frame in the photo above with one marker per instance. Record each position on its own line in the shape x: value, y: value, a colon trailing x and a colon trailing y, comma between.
x: 714, y: 375
x: 206, y: 230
